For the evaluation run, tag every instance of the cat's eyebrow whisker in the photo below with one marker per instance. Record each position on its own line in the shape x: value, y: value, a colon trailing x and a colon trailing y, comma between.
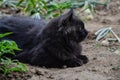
x: 66, y: 32
x: 60, y: 29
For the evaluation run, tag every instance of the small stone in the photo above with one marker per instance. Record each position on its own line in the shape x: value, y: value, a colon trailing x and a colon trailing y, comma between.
x: 105, y: 21
x: 89, y: 17
x: 33, y: 70
x: 117, y: 52
x: 94, y: 58
x: 61, y: 79
x: 51, y: 77
x: 105, y: 43
x: 94, y: 69
x: 10, y: 76
x: 39, y: 72
x: 118, y: 7
x: 111, y: 64
x: 28, y: 75
x: 76, y: 79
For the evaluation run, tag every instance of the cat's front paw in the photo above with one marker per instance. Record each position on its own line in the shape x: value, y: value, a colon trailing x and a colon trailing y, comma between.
x: 83, y: 58
x: 74, y: 63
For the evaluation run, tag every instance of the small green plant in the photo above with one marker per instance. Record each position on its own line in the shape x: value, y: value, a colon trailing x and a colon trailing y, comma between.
x: 49, y: 9
x: 6, y: 64
x: 5, y: 34
x: 88, y: 4
x: 104, y: 31
x: 55, y: 9
x: 7, y: 47
x: 8, y: 3
x: 33, y: 6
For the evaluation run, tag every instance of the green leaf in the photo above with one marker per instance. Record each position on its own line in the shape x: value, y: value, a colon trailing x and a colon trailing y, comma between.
x: 12, y: 66
x: 56, y: 15
x: 5, y: 34
x: 8, y: 47
x: 19, y: 2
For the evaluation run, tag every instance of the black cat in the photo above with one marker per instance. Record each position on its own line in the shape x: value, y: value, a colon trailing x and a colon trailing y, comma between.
x: 51, y: 45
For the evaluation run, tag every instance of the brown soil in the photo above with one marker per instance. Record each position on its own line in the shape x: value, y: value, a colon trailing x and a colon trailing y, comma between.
x: 101, y: 59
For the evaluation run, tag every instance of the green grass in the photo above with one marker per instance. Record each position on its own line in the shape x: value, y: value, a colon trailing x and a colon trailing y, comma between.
x: 50, y: 9
x: 6, y: 64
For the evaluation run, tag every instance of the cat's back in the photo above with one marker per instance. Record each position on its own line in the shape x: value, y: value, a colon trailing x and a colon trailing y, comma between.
x: 24, y: 28
x: 20, y: 23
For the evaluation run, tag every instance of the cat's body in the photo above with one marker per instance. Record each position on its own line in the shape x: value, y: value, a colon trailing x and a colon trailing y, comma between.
x: 51, y: 45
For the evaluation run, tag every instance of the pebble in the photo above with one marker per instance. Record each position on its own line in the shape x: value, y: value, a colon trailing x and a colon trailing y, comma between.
x: 39, y: 72
x: 33, y: 70
x: 105, y: 43
x: 117, y: 52
x: 94, y: 58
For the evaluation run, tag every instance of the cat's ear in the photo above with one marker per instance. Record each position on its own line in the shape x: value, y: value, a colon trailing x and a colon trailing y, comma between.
x: 66, y: 18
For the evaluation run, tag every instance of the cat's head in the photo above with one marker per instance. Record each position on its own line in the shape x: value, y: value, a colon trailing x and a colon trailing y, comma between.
x: 68, y: 24
x: 72, y: 26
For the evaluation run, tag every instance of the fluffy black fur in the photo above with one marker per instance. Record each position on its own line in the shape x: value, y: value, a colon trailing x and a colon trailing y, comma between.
x: 51, y: 45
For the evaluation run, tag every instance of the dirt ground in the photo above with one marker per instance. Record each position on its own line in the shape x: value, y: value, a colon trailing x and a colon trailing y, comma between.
x: 101, y: 60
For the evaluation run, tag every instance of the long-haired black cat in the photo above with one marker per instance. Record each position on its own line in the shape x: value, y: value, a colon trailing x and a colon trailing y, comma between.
x: 52, y: 44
